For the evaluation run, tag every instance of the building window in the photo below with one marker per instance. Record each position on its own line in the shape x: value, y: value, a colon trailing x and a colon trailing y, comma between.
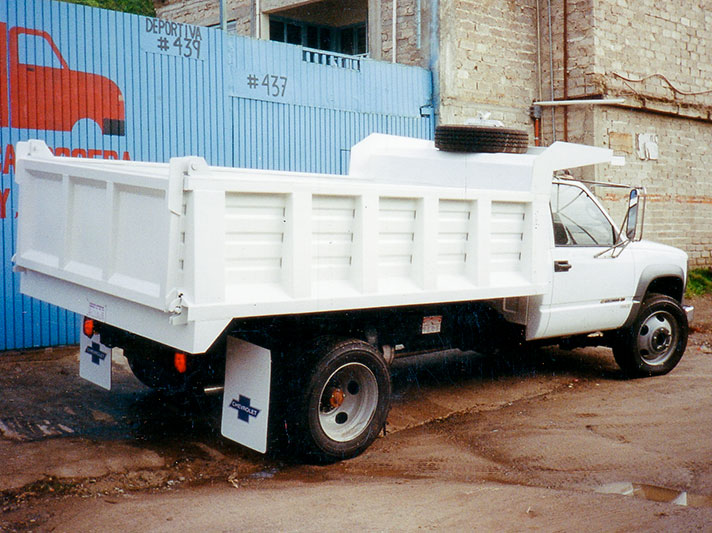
x: 353, y: 39
x: 349, y: 40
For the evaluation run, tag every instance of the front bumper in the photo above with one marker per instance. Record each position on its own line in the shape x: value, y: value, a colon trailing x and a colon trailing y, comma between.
x: 690, y: 312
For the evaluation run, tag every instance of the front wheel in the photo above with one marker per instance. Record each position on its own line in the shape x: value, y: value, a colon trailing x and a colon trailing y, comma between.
x: 343, y: 402
x: 654, y: 344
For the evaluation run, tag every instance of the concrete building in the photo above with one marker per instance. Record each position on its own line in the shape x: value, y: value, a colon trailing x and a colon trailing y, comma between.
x: 500, y: 56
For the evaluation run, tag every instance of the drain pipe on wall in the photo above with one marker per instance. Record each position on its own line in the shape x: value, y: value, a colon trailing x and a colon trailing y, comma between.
x: 395, y: 17
x: 418, y: 24
x: 537, y: 118
x: 434, y: 63
x: 258, y: 20
x: 551, y: 75
x: 223, y: 22
x: 538, y: 49
x: 566, y: 67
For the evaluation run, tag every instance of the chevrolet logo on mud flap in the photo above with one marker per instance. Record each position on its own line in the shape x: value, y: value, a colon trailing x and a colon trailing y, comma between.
x: 244, y: 409
x: 97, y: 356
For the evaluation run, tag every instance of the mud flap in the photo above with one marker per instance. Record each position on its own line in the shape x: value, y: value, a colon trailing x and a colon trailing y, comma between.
x: 247, y: 388
x: 94, y: 360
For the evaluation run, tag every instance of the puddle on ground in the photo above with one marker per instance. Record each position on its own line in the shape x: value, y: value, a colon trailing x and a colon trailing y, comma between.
x: 265, y: 474
x: 657, y: 494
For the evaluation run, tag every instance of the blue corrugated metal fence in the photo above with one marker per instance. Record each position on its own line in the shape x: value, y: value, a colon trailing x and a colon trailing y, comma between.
x: 96, y: 83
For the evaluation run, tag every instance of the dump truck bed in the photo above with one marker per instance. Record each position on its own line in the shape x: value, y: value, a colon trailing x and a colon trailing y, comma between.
x: 175, y: 251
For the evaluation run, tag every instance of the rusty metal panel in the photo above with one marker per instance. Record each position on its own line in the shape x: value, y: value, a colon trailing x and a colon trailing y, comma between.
x: 101, y: 84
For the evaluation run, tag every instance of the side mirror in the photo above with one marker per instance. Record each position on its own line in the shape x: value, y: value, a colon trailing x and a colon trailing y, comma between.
x: 632, y: 215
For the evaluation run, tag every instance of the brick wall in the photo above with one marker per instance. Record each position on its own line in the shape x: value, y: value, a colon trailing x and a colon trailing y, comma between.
x: 412, y: 38
x: 667, y: 45
x: 650, y: 38
x: 198, y: 12
x: 679, y: 209
x: 664, y: 44
x: 488, y: 60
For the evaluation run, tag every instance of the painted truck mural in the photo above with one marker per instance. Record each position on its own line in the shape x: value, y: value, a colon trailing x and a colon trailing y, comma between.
x: 52, y: 96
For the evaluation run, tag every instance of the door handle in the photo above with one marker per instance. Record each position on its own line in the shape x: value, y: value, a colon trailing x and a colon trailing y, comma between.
x: 562, y: 266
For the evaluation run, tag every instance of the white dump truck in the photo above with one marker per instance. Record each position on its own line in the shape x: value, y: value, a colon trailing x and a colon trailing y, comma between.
x: 296, y: 291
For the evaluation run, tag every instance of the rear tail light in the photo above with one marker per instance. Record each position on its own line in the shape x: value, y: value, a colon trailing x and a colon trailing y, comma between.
x: 180, y: 362
x: 88, y: 327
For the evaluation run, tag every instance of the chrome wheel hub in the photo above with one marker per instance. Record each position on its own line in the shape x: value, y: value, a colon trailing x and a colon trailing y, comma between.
x: 657, y: 338
x: 348, y: 402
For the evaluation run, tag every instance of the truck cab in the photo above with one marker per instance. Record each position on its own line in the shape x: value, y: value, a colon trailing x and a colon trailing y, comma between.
x: 605, y: 281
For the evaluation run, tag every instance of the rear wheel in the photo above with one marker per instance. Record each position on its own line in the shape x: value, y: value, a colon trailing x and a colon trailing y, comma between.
x: 656, y: 341
x: 343, y: 402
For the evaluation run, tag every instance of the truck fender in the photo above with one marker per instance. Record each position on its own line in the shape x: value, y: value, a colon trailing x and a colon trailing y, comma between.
x: 647, y: 277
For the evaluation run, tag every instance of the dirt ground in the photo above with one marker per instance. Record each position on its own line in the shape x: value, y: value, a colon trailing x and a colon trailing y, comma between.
x: 547, y: 440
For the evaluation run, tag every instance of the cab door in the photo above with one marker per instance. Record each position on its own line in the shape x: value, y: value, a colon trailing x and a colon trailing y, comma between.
x: 592, y: 288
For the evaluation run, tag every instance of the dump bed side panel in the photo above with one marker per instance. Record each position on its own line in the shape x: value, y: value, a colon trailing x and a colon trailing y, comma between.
x: 286, y: 243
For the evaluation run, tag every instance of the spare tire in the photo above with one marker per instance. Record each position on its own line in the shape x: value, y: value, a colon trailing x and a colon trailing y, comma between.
x: 481, y: 139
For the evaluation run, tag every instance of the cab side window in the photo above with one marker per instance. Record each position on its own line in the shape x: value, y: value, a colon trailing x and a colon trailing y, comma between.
x: 577, y: 219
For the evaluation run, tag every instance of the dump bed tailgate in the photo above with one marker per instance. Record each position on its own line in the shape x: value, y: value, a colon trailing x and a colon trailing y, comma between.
x: 106, y: 225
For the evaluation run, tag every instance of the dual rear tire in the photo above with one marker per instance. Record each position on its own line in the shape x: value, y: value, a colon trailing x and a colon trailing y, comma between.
x: 341, y: 405
x: 334, y: 398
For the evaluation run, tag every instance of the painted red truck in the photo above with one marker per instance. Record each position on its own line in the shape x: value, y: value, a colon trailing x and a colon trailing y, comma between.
x: 50, y: 97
